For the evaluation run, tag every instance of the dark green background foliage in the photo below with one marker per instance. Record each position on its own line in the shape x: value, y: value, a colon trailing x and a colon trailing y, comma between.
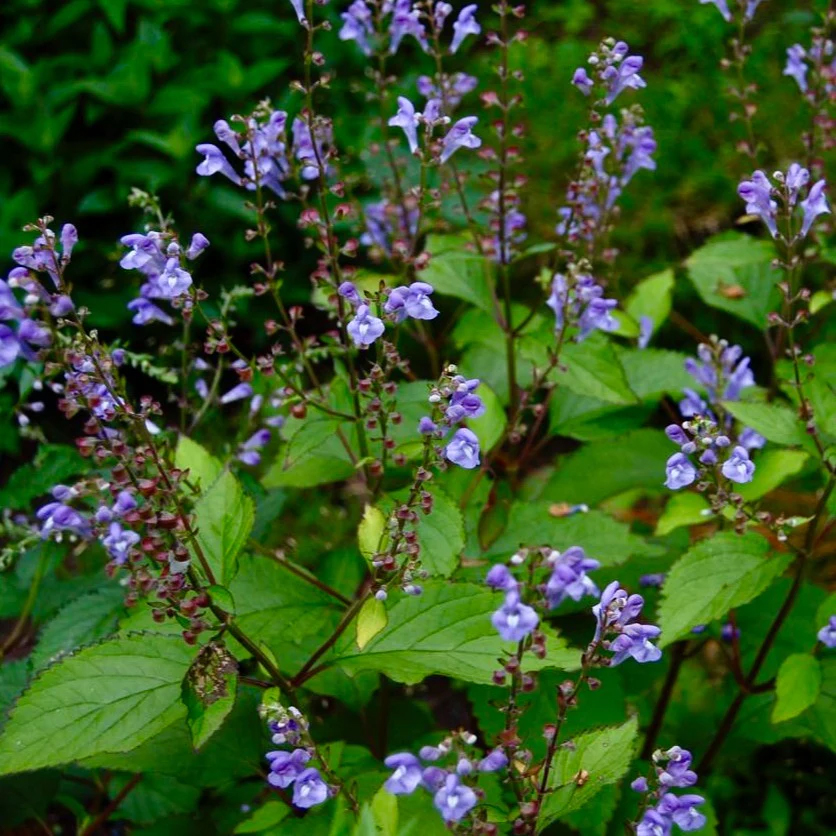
x: 99, y: 96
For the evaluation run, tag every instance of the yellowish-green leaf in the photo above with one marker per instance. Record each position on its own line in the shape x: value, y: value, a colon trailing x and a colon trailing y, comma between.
x: 797, y: 686
x: 371, y: 620
x: 683, y: 508
x: 371, y: 531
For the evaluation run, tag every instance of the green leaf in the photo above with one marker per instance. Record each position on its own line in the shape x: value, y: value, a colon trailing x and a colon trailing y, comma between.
x: 446, y: 630
x: 607, y: 468
x: 370, y: 533
x: 827, y: 608
x: 209, y: 691
x: 225, y: 517
x: 591, y: 368
x: 774, y: 422
x: 53, y: 464
x: 107, y: 698
x: 819, y: 300
x: 155, y: 797
x: 441, y: 535
x: 683, y: 508
x: 797, y: 686
x: 204, y: 469
x: 718, y: 574
x: 455, y: 270
x: 385, y: 811
x: 277, y: 608
x: 371, y: 620
x: 733, y: 272
x: 315, y: 455
x: 265, y: 817
x: 532, y: 524
x: 653, y: 372
x: 597, y: 759
x: 85, y: 620
x: 772, y: 467
x: 652, y: 298
x: 820, y: 718
x: 114, y: 11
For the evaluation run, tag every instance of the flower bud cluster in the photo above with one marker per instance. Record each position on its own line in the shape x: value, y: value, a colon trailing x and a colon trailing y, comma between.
x: 577, y: 300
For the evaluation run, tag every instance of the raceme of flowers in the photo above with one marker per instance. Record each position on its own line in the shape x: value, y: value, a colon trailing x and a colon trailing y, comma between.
x: 454, y: 789
x: 664, y: 809
x: 762, y: 199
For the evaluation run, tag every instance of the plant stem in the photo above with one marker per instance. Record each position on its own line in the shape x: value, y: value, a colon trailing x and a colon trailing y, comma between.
x: 112, y: 807
x: 678, y: 655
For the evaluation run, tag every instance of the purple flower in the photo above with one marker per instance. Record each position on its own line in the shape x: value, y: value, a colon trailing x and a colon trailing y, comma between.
x: 431, y: 753
x: 634, y: 642
x: 623, y: 76
x: 248, y: 452
x: 119, y: 542
x: 751, y: 8
x: 349, y: 292
x: 426, y: 426
x: 796, y: 179
x: 728, y: 632
x: 407, y: 775
x: 299, y: 8
x: 615, y: 610
x: 757, y: 193
x: 645, y: 331
x: 364, y: 329
x: 569, y: 578
x: 827, y: 634
x: 463, y: 402
x: 514, y: 620
x: 813, y: 206
x: 738, y: 467
x: 145, y: 312
x: 406, y: 21
x: 597, y: 315
x: 237, y: 393
x: 358, y: 26
x: 198, y: 244
x: 558, y: 299
x: 654, y: 823
x: 639, y: 784
x: 433, y: 777
x: 499, y: 577
x: 309, y: 789
x: 215, y: 162
x: 172, y: 283
x: 463, y: 449
x: 682, y: 810
x: 464, y: 25
x: 582, y: 81
x: 311, y: 152
x: 677, y: 772
x: 722, y: 7
x: 459, y: 136
x: 454, y: 800
x: 406, y: 119
x: 679, y: 472
x: 655, y: 579
x: 750, y: 439
x: 286, y: 767
x: 69, y: 238
x: 55, y: 516
x: 411, y: 301
x: 493, y: 761
x: 796, y: 67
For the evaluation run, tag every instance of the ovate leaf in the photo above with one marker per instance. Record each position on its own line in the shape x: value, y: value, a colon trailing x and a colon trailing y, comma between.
x: 797, y: 686
x: 733, y: 272
x: 683, y: 508
x: 774, y: 422
x: 83, y: 621
x: 107, y: 698
x: 225, y: 516
x: 370, y: 532
x: 446, y: 630
x: 371, y: 620
x: 203, y: 467
x: 441, y: 535
x: 596, y: 759
x: 455, y: 270
x: 591, y: 368
x: 725, y: 571
x: 651, y: 297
